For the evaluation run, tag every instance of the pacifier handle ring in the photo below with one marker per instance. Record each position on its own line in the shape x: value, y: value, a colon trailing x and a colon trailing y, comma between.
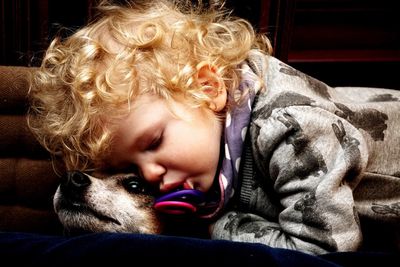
x: 180, y: 202
x: 175, y: 207
x: 195, y: 195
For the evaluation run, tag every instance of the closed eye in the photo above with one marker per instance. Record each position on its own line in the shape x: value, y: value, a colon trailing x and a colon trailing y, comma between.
x: 155, y: 143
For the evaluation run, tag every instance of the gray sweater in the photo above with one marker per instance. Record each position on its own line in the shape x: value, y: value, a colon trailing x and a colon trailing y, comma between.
x: 320, y: 166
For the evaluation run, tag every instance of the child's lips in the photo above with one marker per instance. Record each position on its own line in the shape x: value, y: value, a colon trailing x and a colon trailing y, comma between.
x: 186, y: 185
x: 170, y: 187
x: 178, y: 185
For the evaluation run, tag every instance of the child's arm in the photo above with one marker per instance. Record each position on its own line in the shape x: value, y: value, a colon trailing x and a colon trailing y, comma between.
x: 315, y: 159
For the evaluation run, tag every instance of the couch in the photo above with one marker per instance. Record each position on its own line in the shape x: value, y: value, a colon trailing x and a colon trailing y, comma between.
x: 31, y: 235
x: 27, y: 178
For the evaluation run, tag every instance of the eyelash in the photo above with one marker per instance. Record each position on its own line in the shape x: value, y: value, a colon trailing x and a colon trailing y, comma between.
x: 155, y: 143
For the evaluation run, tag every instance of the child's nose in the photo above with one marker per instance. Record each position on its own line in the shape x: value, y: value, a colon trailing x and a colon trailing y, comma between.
x: 153, y: 172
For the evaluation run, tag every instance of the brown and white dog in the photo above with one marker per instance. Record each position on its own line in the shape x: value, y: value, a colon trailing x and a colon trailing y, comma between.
x: 105, y: 203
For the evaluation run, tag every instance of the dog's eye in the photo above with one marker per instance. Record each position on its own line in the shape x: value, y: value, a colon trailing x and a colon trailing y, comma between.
x: 134, y: 185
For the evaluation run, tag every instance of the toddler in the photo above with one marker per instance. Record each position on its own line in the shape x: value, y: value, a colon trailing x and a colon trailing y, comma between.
x: 190, y: 97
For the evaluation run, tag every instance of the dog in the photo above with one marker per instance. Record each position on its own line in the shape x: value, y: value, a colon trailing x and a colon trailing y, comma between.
x: 99, y: 202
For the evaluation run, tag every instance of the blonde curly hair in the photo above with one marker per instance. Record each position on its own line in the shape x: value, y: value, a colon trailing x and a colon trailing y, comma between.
x: 88, y: 80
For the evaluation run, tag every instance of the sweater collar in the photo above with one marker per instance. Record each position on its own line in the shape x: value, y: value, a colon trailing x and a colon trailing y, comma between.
x: 236, y: 124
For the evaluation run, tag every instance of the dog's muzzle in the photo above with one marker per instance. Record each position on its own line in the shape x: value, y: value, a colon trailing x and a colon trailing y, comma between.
x: 74, y: 184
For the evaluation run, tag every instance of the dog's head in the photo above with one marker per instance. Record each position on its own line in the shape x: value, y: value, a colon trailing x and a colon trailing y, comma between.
x: 101, y: 203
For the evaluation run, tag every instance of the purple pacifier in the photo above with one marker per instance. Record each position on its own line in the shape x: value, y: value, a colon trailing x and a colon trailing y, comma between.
x: 180, y: 202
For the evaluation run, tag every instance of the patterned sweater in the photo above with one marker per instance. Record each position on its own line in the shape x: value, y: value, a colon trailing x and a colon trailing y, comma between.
x: 319, y: 171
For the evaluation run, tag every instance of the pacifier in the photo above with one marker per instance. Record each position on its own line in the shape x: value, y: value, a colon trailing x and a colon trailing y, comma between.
x: 184, y: 201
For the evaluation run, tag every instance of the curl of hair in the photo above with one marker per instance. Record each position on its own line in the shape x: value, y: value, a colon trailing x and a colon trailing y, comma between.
x: 88, y: 80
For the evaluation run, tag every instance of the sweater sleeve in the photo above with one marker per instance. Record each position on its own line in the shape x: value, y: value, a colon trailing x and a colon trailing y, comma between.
x: 315, y: 159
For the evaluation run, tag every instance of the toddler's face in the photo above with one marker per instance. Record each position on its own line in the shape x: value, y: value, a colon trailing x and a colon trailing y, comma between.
x: 171, y: 144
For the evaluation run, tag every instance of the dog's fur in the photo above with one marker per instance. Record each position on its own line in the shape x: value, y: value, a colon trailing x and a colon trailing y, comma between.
x: 105, y: 203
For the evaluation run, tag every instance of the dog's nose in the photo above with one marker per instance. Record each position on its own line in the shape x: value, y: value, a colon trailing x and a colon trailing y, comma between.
x: 77, y: 179
x: 74, y: 185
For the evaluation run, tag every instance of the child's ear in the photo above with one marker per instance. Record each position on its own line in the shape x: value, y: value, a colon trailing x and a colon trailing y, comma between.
x: 208, y: 76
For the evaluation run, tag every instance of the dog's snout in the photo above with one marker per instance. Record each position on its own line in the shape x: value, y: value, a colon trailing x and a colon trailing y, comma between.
x: 74, y: 185
x: 77, y: 180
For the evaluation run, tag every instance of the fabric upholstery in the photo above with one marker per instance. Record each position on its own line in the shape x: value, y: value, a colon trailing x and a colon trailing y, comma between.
x: 27, y: 178
x: 113, y: 249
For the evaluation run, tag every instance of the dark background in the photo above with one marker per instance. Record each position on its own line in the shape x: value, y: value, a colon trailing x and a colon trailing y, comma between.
x: 341, y: 42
